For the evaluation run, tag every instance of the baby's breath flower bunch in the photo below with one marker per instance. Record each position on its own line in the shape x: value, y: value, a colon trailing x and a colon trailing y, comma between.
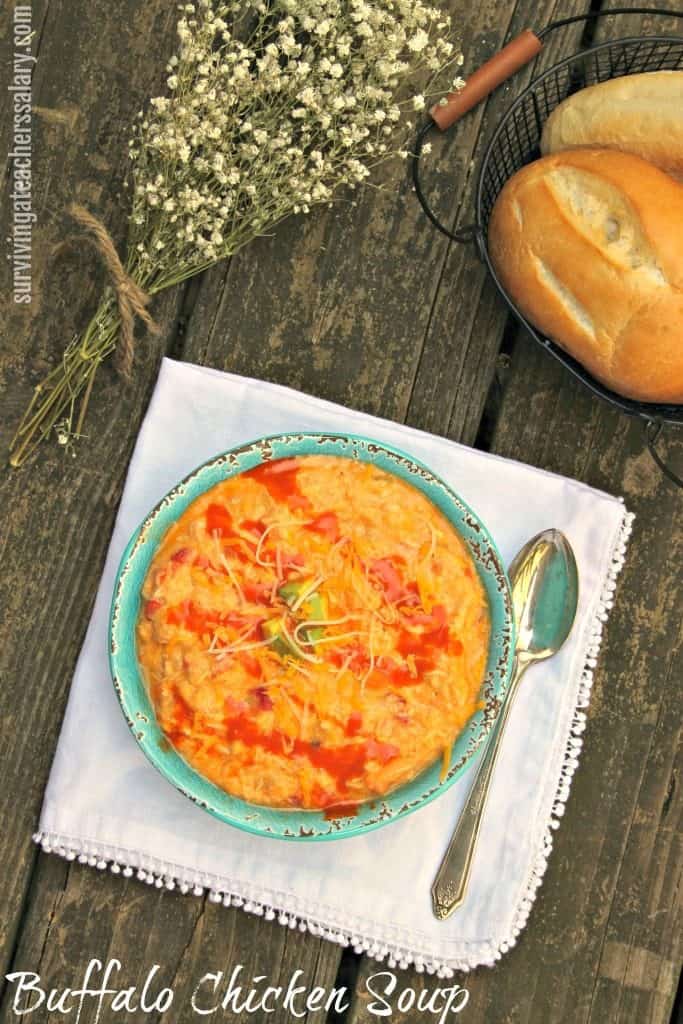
x: 271, y: 108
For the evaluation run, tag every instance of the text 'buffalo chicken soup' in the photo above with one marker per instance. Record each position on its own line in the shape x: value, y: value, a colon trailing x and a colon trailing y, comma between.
x: 313, y: 633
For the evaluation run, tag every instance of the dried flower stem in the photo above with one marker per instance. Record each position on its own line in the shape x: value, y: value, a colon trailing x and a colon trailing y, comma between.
x: 55, y: 399
x: 272, y: 108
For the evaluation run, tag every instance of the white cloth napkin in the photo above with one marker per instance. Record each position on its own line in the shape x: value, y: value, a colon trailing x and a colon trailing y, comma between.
x: 105, y: 804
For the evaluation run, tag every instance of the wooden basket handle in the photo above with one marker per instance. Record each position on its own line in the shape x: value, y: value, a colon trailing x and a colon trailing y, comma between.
x: 485, y: 79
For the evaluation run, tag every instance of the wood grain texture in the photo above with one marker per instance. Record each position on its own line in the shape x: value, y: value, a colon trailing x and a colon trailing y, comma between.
x: 75, y: 913
x: 467, y: 318
x: 604, y: 904
x: 621, y: 26
x: 58, y: 512
x: 67, y: 508
x: 365, y: 305
x: 603, y: 943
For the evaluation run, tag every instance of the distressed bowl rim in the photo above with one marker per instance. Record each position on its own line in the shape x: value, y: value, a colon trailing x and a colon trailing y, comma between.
x: 126, y: 681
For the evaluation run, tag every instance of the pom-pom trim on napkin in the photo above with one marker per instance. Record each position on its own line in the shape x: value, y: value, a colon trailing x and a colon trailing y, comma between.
x: 169, y: 876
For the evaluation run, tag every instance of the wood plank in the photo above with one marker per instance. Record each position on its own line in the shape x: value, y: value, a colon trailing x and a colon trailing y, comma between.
x: 334, y: 302
x: 81, y: 887
x: 467, y: 319
x: 57, y: 513
x: 622, y: 26
x: 603, y: 943
x: 38, y: 17
x: 623, y: 823
x: 83, y: 154
x: 340, y: 303
x: 605, y: 910
x: 291, y: 364
x: 113, y: 917
x: 639, y: 970
x: 75, y: 913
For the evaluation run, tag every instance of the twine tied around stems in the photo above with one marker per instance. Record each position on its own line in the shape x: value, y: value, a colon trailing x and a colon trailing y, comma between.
x: 131, y: 298
x: 53, y: 405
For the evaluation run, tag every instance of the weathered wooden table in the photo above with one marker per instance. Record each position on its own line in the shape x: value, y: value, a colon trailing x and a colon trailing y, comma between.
x: 366, y: 305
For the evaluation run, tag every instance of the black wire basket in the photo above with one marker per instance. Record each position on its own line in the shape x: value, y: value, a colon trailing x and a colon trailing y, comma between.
x: 516, y: 142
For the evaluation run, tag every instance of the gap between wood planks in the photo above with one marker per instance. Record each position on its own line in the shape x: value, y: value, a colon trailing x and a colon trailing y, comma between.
x: 633, y: 950
x: 350, y: 963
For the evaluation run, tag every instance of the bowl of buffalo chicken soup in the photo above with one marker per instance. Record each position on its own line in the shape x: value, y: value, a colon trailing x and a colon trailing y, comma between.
x: 311, y: 635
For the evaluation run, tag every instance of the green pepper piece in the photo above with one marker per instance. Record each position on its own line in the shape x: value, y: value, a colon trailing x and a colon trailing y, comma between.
x: 315, y: 609
x: 291, y: 592
x: 278, y: 642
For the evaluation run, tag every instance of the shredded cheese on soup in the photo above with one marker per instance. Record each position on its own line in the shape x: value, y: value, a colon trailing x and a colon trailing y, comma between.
x: 313, y: 634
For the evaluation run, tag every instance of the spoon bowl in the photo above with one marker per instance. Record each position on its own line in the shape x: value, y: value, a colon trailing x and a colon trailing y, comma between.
x: 545, y: 590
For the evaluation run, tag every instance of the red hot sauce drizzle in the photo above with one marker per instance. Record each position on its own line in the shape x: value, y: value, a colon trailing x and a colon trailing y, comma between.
x: 342, y: 763
x: 280, y: 479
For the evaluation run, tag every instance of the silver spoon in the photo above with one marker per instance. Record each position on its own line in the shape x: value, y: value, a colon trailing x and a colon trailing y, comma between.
x: 545, y: 591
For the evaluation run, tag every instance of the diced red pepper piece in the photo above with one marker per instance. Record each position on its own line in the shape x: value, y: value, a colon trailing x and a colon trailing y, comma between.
x: 250, y: 664
x: 327, y: 525
x: 218, y: 520
x: 435, y: 633
x: 279, y: 477
x: 389, y: 577
x: 388, y: 672
x: 431, y: 620
x: 262, y: 698
x: 410, y: 643
x: 176, y: 616
x: 182, y: 555
x: 258, y: 593
x: 354, y: 723
x: 294, y: 559
x: 381, y: 752
x: 358, y: 657
x: 189, y: 615
x: 235, y: 548
x: 152, y: 607
x: 200, y: 621
x: 298, y: 501
x: 256, y: 526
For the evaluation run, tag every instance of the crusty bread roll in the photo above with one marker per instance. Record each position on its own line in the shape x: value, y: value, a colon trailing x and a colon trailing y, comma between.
x: 589, y: 245
x: 641, y: 114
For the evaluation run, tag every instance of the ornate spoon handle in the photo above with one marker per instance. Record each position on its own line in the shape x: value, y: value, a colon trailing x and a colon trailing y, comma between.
x: 450, y: 884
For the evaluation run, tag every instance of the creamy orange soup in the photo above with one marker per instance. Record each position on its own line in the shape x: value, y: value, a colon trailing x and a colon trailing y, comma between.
x: 313, y: 633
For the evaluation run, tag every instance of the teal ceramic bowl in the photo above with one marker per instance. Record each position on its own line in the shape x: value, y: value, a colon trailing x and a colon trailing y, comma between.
x: 132, y: 693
